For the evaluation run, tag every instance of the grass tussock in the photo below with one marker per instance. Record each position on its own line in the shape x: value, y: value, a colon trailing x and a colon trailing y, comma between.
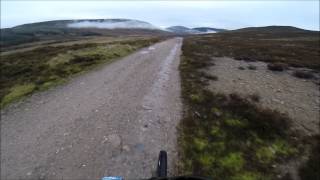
x: 303, y: 74
x: 310, y: 170
x: 241, y: 68
x: 277, y: 66
x: 228, y: 136
x: 42, y: 68
x: 254, y: 97
x: 252, y: 67
x: 17, y: 92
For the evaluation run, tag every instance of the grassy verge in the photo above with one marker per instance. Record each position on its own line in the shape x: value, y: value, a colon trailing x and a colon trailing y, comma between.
x: 23, y: 73
x: 228, y: 136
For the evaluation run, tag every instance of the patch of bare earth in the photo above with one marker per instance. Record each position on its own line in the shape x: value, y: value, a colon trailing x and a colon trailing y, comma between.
x: 299, y: 98
x: 281, y: 91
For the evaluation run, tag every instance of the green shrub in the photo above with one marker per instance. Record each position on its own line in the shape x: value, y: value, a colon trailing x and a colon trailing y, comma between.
x: 206, y: 160
x: 233, y: 162
x: 215, y: 131
x: 235, y: 123
x: 200, y: 144
x: 218, y: 146
x: 283, y: 148
x: 266, y: 154
x: 248, y: 176
x: 197, y: 98
x: 216, y: 112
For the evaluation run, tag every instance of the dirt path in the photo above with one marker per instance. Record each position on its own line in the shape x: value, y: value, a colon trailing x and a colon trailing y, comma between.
x: 113, y: 121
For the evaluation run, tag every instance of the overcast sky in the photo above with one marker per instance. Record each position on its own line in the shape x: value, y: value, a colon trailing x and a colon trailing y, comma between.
x: 220, y: 14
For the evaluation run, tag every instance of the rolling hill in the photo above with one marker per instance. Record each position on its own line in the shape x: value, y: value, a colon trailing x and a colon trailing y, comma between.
x: 273, y: 29
x: 66, y: 29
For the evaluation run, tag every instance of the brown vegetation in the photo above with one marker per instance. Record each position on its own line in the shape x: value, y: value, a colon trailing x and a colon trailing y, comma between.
x: 303, y: 74
x: 277, y: 66
x: 229, y: 136
x: 296, y: 48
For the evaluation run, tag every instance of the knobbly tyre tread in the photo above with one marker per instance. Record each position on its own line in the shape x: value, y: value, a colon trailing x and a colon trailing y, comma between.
x: 162, y: 164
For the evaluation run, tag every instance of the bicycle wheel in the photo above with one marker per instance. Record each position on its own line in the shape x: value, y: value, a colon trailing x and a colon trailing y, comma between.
x: 162, y: 164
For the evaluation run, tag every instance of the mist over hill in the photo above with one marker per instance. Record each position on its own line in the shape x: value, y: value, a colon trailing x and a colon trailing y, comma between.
x: 181, y: 30
x: 197, y: 30
x: 112, y: 24
x: 209, y: 30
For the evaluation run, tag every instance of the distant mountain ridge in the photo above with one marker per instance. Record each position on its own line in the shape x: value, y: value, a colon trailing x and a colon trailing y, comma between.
x: 274, y: 29
x: 62, y: 29
x: 69, y: 29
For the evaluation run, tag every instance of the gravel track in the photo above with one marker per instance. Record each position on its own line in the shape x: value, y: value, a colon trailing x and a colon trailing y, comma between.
x: 112, y: 121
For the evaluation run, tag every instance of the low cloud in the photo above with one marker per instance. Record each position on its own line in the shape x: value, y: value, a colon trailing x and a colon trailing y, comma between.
x: 130, y: 24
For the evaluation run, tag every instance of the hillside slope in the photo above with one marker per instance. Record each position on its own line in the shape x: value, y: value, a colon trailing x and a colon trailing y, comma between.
x: 243, y: 119
x: 64, y: 29
x: 292, y: 46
